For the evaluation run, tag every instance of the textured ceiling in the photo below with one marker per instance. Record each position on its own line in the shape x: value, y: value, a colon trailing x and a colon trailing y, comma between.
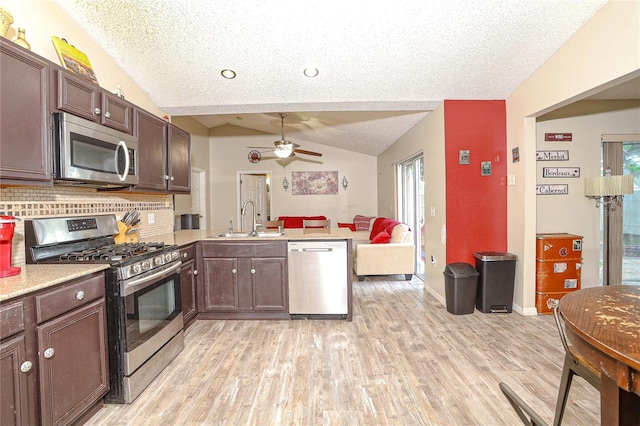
x: 382, y: 65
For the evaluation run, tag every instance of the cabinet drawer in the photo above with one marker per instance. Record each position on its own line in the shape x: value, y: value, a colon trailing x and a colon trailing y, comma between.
x: 245, y: 249
x: 11, y: 318
x: 70, y: 296
x: 187, y: 252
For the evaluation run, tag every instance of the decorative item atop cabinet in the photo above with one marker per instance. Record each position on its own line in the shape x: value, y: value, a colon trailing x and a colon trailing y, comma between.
x: 21, y: 39
x: 74, y: 60
x: 6, y: 19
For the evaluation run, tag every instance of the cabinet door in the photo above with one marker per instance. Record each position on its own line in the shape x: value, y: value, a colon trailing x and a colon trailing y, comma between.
x: 72, y: 351
x: 14, y: 368
x: 152, y: 150
x: 179, y: 160
x: 188, y: 286
x: 218, y: 282
x: 77, y: 96
x: 268, y: 276
x: 116, y: 113
x: 24, y: 116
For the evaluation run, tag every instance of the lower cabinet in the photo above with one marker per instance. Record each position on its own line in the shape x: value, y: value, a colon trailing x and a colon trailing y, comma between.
x: 188, y: 284
x: 55, y: 347
x: 243, y: 280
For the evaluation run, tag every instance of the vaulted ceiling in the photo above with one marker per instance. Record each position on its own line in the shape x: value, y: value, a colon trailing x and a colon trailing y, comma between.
x: 382, y: 66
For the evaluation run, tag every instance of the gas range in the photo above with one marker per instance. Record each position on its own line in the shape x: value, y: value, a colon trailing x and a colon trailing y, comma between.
x: 90, y: 239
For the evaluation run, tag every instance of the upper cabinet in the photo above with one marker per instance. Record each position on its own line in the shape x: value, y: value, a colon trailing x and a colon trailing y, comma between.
x: 25, y: 121
x: 164, y: 153
x: 85, y: 99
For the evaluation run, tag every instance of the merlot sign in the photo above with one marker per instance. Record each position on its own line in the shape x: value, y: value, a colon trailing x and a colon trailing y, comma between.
x: 562, y: 155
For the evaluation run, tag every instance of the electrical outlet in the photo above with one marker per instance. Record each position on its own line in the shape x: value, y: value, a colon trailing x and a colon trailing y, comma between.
x: 433, y: 211
x: 511, y: 180
x: 433, y: 259
x: 151, y: 218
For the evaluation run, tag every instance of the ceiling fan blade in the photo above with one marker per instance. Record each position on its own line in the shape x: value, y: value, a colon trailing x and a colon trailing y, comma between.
x: 304, y: 151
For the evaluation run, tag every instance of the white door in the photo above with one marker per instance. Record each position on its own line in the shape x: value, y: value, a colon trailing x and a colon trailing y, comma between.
x: 254, y: 188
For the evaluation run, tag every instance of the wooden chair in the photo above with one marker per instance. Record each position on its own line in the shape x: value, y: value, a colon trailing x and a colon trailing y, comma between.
x: 574, y: 364
x: 320, y: 226
x: 273, y: 224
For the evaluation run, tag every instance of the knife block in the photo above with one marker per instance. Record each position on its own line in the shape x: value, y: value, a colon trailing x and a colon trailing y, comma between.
x: 121, y: 237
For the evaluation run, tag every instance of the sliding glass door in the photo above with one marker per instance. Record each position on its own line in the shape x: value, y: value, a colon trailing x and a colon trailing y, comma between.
x: 631, y: 216
x: 411, y: 205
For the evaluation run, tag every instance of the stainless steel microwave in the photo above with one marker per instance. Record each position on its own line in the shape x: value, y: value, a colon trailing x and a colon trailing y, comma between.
x: 92, y: 155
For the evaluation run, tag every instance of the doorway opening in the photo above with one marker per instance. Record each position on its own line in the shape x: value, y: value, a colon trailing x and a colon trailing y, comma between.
x: 254, y: 187
x: 410, y: 176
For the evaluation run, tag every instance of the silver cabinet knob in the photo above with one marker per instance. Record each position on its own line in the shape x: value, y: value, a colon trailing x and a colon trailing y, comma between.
x: 26, y: 366
x: 107, y: 114
x: 79, y: 295
x: 172, y: 178
x: 233, y: 271
x: 97, y: 111
x: 49, y: 353
x: 184, y: 255
x: 166, y: 177
x: 253, y: 271
x: 195, y: 272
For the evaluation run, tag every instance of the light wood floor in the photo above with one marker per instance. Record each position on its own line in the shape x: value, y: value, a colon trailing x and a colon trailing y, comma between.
x: 403, y: 360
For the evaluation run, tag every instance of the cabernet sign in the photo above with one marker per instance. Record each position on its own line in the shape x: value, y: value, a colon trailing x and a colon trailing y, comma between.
x: 552, y: 189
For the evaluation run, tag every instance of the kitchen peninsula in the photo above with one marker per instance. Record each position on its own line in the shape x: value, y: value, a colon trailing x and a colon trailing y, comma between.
x: 244, y: 277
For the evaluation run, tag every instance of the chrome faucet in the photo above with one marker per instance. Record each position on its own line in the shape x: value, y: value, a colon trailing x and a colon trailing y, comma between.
x: 243, y: 210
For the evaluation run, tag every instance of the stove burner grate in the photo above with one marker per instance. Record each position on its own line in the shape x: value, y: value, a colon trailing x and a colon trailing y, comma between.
x: 113, y: 252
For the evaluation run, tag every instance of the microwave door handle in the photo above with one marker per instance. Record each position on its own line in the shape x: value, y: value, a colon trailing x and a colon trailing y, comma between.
x: 124, y: 147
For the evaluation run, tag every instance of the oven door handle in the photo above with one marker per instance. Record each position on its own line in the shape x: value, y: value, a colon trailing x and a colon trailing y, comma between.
x: 132, y: 285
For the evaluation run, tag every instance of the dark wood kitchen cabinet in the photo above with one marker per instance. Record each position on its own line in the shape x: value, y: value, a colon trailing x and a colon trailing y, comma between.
x: 85, y: 99
x: 243, y: 280
x: 59, y: 353
x: 25, y: 121
x: 164, y: 152
x: 188, y: 280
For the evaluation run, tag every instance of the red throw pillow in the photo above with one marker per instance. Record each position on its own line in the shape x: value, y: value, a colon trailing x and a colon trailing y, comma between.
x: 380, y: 224
x: 382, y: 238
x: 351, y: 226
x: 291, y: 221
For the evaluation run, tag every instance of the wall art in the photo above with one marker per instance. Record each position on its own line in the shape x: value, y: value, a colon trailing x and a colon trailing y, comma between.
x: 562, y: 155
x: 559, y: 189
x: 314, y: 183
x: 558, y: 137
x: 561, y: 172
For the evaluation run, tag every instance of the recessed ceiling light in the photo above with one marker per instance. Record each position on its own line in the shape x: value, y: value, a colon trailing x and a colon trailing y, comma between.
x: 311, y: 72
x: 228, y: 74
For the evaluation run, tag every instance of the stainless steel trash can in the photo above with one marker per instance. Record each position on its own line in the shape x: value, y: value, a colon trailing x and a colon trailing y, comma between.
x: 495, y: 285
x: 460, y: 286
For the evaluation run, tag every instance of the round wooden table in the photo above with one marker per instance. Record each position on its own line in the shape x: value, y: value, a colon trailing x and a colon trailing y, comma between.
x: 603, y: 326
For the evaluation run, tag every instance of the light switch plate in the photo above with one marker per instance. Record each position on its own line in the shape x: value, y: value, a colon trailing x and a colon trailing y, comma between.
x: 511, y: 180
x: 151, y: 218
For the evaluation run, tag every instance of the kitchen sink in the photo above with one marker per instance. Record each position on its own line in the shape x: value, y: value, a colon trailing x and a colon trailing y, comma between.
x: 233, y: 235
x: 266, y: 234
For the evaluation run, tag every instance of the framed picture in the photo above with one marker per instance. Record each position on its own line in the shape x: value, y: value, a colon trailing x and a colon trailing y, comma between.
x: 314, y: 183
x: 73, y: 59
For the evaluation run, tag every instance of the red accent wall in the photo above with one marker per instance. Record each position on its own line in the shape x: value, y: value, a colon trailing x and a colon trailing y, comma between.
x: 476, y: 204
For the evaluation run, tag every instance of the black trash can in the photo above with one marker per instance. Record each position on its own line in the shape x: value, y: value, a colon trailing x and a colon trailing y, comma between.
x: 495, y: 285
x: 460, y: 286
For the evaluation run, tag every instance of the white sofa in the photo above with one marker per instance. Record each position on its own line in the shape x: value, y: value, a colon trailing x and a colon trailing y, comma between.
x: 393, y: 258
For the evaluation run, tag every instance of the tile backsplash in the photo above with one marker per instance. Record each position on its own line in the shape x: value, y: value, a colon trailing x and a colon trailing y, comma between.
x: 29, y: 202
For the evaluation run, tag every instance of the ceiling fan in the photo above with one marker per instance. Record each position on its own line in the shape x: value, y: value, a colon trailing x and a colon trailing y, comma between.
x: 283, y: 148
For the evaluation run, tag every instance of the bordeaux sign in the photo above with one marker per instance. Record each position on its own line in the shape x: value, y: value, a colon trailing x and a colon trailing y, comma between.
x: 561, y: 172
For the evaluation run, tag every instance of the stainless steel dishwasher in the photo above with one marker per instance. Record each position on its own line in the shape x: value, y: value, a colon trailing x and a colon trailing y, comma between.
x: 318, y: 278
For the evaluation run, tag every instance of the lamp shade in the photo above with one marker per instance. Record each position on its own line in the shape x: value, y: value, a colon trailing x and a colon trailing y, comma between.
x: 608, y: 186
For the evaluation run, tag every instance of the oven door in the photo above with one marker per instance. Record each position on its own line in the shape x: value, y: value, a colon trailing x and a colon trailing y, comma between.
x: 153, y: 313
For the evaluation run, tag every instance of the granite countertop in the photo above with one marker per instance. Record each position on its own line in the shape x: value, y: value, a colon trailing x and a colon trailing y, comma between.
x: 37, y: 277
x: 191, y: 236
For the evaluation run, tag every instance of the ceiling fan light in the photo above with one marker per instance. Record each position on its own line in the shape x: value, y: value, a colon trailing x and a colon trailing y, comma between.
x: 283, y: 152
